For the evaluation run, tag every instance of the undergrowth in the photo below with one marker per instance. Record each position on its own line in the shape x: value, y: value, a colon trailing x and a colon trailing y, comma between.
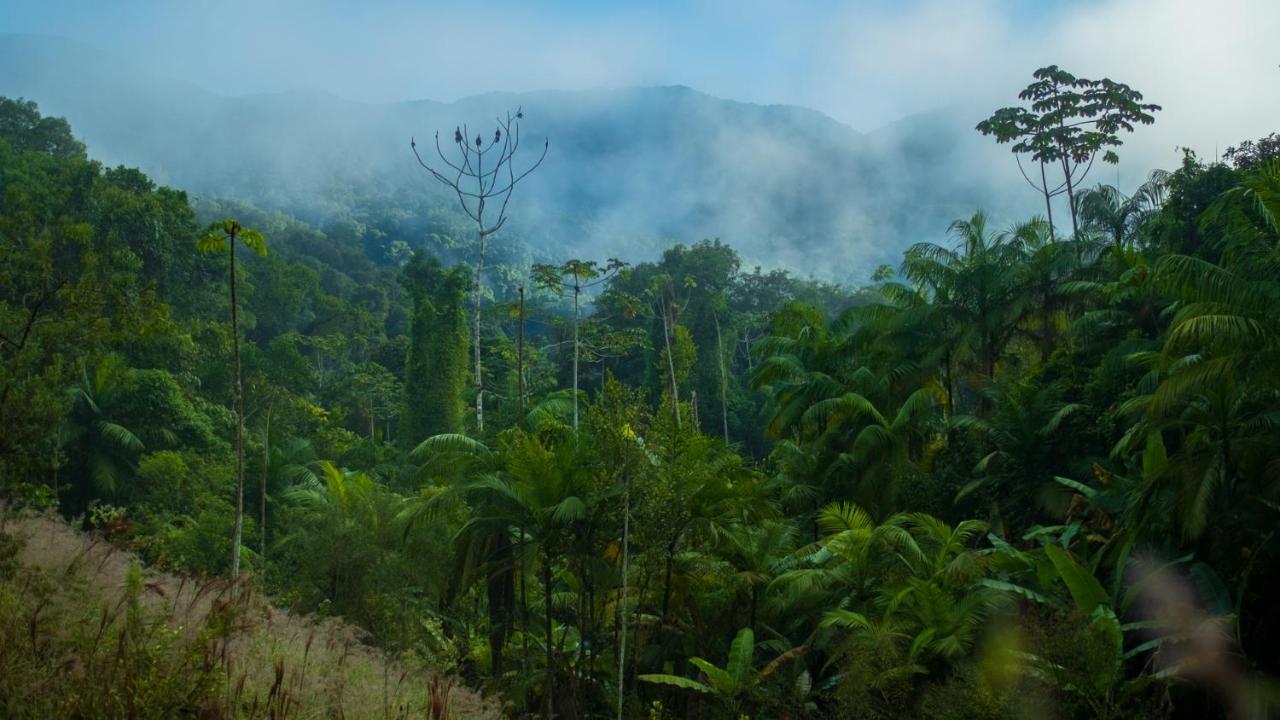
x: 86, y: 632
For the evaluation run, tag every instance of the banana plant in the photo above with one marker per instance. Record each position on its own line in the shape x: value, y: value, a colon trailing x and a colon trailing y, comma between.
x: 738, y: 684
x: 1052, y: 577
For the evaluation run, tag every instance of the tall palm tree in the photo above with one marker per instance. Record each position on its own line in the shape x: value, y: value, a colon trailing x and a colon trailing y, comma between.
x: 973, y: 285
x: 218, y: 237
x: 544, y: 494
x: 538, y: 490
x: 452, y: 468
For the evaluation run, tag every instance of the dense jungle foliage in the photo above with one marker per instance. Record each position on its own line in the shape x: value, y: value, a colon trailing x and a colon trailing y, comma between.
x: 1028, y: 472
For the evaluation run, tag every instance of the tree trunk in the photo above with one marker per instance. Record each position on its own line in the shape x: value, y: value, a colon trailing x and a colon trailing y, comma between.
x: 622, y: 605
x: 1071, y: 196
x: 724, y: 402
x: 262, y: 500
x: 239, y: 400
x: 524, y: 603
x: 475, y: 336
x: 501, y: 592
x: 520, y: 354
x: 577, y: 290
x: 1048, y: 205
x: 671, y: 361
x: 549, y: 690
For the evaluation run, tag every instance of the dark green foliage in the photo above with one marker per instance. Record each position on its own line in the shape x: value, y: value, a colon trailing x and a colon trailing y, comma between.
x: 25, y: 130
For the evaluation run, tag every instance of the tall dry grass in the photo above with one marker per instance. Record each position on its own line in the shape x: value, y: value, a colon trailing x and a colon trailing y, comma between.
x: 85, y: 632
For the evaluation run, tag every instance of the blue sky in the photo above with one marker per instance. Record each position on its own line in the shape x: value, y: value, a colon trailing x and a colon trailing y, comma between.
x: 865, y: 62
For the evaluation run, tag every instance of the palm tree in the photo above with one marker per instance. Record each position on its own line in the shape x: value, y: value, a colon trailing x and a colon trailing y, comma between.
x: 220, y: 236
x: 537, y: 490
x: 292, y: 463
x: 543, y: 495
x: 452, y: 470
x: 755, y: 552
x: 972, y: 284
x: 899, y: 594
x: 340, y: 519
x: 1107, y: 212
x: 807, y: 362
x: 880, y: 449
x: 583, y: 275
x: 105, y: 451
x: 1018, y: 438
x: 1042, y: 273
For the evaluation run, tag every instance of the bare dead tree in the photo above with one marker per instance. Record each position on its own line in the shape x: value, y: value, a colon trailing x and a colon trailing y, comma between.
x: 482, y: 175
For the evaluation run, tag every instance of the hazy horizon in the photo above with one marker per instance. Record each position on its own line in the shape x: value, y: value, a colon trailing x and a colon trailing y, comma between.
x: 848, y: 60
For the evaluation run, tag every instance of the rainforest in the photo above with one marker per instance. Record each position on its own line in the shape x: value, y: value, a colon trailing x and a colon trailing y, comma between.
x: 466, y: 429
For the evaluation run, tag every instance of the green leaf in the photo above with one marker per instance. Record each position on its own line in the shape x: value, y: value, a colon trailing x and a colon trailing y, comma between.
x: 1009, y: 587
x: 253, y: 240
x: 675, y: 681
x: 1088, y: 492
x: 741, y: 656
x: 721, y: 681
x: 211, y: 243
x: 1085, y: 589
x: 1154, y: 457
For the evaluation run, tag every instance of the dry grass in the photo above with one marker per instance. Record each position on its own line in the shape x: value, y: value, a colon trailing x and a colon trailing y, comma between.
x: 84, y: 632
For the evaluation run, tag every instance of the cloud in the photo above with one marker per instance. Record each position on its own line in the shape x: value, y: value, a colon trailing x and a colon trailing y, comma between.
x: 866, y: 62
x: 1212, y: 66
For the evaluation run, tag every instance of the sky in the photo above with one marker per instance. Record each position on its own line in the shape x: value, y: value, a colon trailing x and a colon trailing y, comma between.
x: 1213, y: 64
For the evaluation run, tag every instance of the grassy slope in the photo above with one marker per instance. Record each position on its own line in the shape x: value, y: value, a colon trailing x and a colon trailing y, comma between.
x: 85, y: 632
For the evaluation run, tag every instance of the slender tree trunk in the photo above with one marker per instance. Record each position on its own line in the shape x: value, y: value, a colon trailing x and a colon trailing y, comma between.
x: 947, y: 381
x: 239, y: 399
x: 724, y: 402
x: 262, y: 500
x: 501, y: 598
x: 549, y: 690
x: 524, y: 602
x: 622, y: 605
x: 1048, y: 205
x: 666, y: 580
x: 520, y: 354
x: 1071, y: 196
x: 577, y: 290
x: 671, y: 362
x: 475, y: 335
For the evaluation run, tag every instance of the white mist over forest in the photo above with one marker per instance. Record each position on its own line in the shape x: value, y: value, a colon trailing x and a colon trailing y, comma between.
x: 847, y: 145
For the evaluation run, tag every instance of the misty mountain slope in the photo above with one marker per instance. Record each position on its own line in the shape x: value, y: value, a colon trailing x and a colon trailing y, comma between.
x: 629, y: 171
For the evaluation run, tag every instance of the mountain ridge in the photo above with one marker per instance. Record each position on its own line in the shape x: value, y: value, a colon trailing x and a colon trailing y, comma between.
x: 631, y: 169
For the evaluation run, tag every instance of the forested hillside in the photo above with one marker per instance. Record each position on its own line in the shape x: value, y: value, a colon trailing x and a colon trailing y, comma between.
x: 1028, y: 471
